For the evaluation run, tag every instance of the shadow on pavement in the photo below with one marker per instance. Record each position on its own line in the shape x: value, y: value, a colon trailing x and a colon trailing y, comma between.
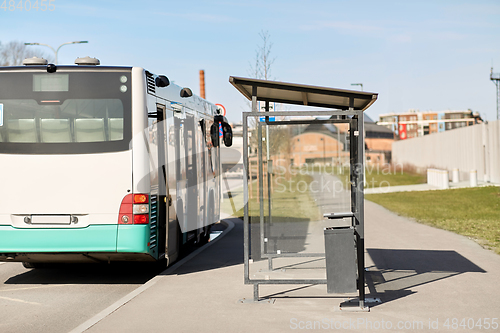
x: 226, y: 252
x: 288, y: 234
x: 114, y: 273
x: 397, y: 271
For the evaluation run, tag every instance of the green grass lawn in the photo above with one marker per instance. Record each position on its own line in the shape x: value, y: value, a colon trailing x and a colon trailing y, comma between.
x: 290, y: 201
x: 380, y: 176
x: 472, y: 212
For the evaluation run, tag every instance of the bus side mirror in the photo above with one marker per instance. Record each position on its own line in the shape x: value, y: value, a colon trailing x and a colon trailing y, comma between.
x: 227, y: 131
x: 186, y: 92
x: 214, y: 134
x: 162, y: 81
x: 227, y: 134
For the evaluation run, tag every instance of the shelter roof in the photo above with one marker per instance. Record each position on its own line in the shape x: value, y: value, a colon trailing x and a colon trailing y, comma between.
x: 301, y: 94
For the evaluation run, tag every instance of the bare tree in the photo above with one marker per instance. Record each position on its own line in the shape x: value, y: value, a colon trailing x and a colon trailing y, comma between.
x: 280, y: 142
x: 13, y: 54
x: 263, y: 58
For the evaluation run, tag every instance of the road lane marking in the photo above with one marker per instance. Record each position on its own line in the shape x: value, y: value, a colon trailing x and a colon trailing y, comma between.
x: 127, y: 298
x: 37, y: 287
x: 19, y: 300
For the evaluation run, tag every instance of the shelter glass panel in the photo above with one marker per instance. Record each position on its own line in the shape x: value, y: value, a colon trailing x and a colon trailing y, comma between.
x: 297, y: 172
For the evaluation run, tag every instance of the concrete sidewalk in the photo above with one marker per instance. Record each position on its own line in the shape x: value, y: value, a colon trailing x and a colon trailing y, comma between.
x: 425, y: 278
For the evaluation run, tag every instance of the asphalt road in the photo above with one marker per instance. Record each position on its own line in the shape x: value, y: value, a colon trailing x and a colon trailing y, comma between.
x: 60, y: 298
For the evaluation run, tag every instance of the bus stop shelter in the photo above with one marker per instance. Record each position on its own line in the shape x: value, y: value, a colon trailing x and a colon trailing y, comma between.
x: 293, y: 245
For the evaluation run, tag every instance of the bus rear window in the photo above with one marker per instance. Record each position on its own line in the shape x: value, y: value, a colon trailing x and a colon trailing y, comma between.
x: 77, y: 120
x: 68, y: 113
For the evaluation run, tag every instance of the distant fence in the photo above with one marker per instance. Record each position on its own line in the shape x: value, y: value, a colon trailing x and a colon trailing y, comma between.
x: 469, y: 148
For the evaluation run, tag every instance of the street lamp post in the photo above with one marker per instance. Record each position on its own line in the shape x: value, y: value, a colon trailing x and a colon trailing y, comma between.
x: 358, y: 84
x: 56, y: 51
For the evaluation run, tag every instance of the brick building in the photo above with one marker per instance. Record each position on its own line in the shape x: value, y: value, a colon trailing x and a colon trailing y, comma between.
x: 329, y: 144
x: 415, y: 123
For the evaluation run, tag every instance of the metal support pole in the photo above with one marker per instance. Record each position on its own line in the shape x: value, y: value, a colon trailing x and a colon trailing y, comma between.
x: 353, y: 158
x: 357, y: 197
x: 269, y: 180
x: 360, y: 248
x: 269, y: 165
x: 360, y: 205
x: 246, y: 238
x: 360, y: 209
x: 255, y: 292
x: 259, y: 166
x: 261, y: 188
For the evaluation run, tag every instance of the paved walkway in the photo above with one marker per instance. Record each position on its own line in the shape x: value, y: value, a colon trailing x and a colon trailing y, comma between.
x: 425, y: 278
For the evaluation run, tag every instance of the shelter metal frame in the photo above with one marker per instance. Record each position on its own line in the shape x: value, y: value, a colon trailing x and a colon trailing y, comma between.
x: 290, y: 93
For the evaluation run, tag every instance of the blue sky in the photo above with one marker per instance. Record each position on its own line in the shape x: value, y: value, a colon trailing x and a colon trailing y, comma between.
x: 426, y: 55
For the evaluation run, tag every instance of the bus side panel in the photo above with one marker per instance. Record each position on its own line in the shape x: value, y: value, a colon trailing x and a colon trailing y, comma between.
x: 212, y: 177
x: 140, y: 156
x: 173, y: 226
x: 133, y: 238
x: 202, y: 174
x: 136, y: 238
x: 94, y: 238
x: 217, y: 181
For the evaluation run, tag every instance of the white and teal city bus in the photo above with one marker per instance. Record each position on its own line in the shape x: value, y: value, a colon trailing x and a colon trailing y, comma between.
x: 101, y: 164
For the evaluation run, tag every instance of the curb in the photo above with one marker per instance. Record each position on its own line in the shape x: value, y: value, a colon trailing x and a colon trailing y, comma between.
x: 127, y: 298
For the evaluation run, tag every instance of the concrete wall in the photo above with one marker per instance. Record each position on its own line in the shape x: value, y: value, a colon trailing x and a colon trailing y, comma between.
x: 469, y: 148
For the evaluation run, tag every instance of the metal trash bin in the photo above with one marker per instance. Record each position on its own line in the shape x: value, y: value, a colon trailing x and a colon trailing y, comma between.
x: 340, y: 255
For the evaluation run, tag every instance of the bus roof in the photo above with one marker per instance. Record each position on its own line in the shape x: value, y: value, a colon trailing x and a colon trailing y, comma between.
x: 66, y: 68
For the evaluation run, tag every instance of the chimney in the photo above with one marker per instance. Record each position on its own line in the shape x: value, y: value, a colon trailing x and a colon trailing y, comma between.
x: 202, y: 83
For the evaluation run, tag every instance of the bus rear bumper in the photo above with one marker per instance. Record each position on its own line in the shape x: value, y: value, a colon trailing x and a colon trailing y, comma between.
x: 94, y: 243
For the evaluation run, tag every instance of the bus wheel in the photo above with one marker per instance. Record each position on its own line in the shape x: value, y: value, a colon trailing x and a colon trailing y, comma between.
x: 206, y: 235
x: 181, y: 248
x: 161, y: 264
x: 180, y: 219
x: 32, y: 265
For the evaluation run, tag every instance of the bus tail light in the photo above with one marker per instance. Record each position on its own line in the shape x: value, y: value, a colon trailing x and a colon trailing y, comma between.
x: 141, y: 219
x: 134, y: 209
x: 141, y: 198
x: 126, y: 213
x: 141, y: 209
